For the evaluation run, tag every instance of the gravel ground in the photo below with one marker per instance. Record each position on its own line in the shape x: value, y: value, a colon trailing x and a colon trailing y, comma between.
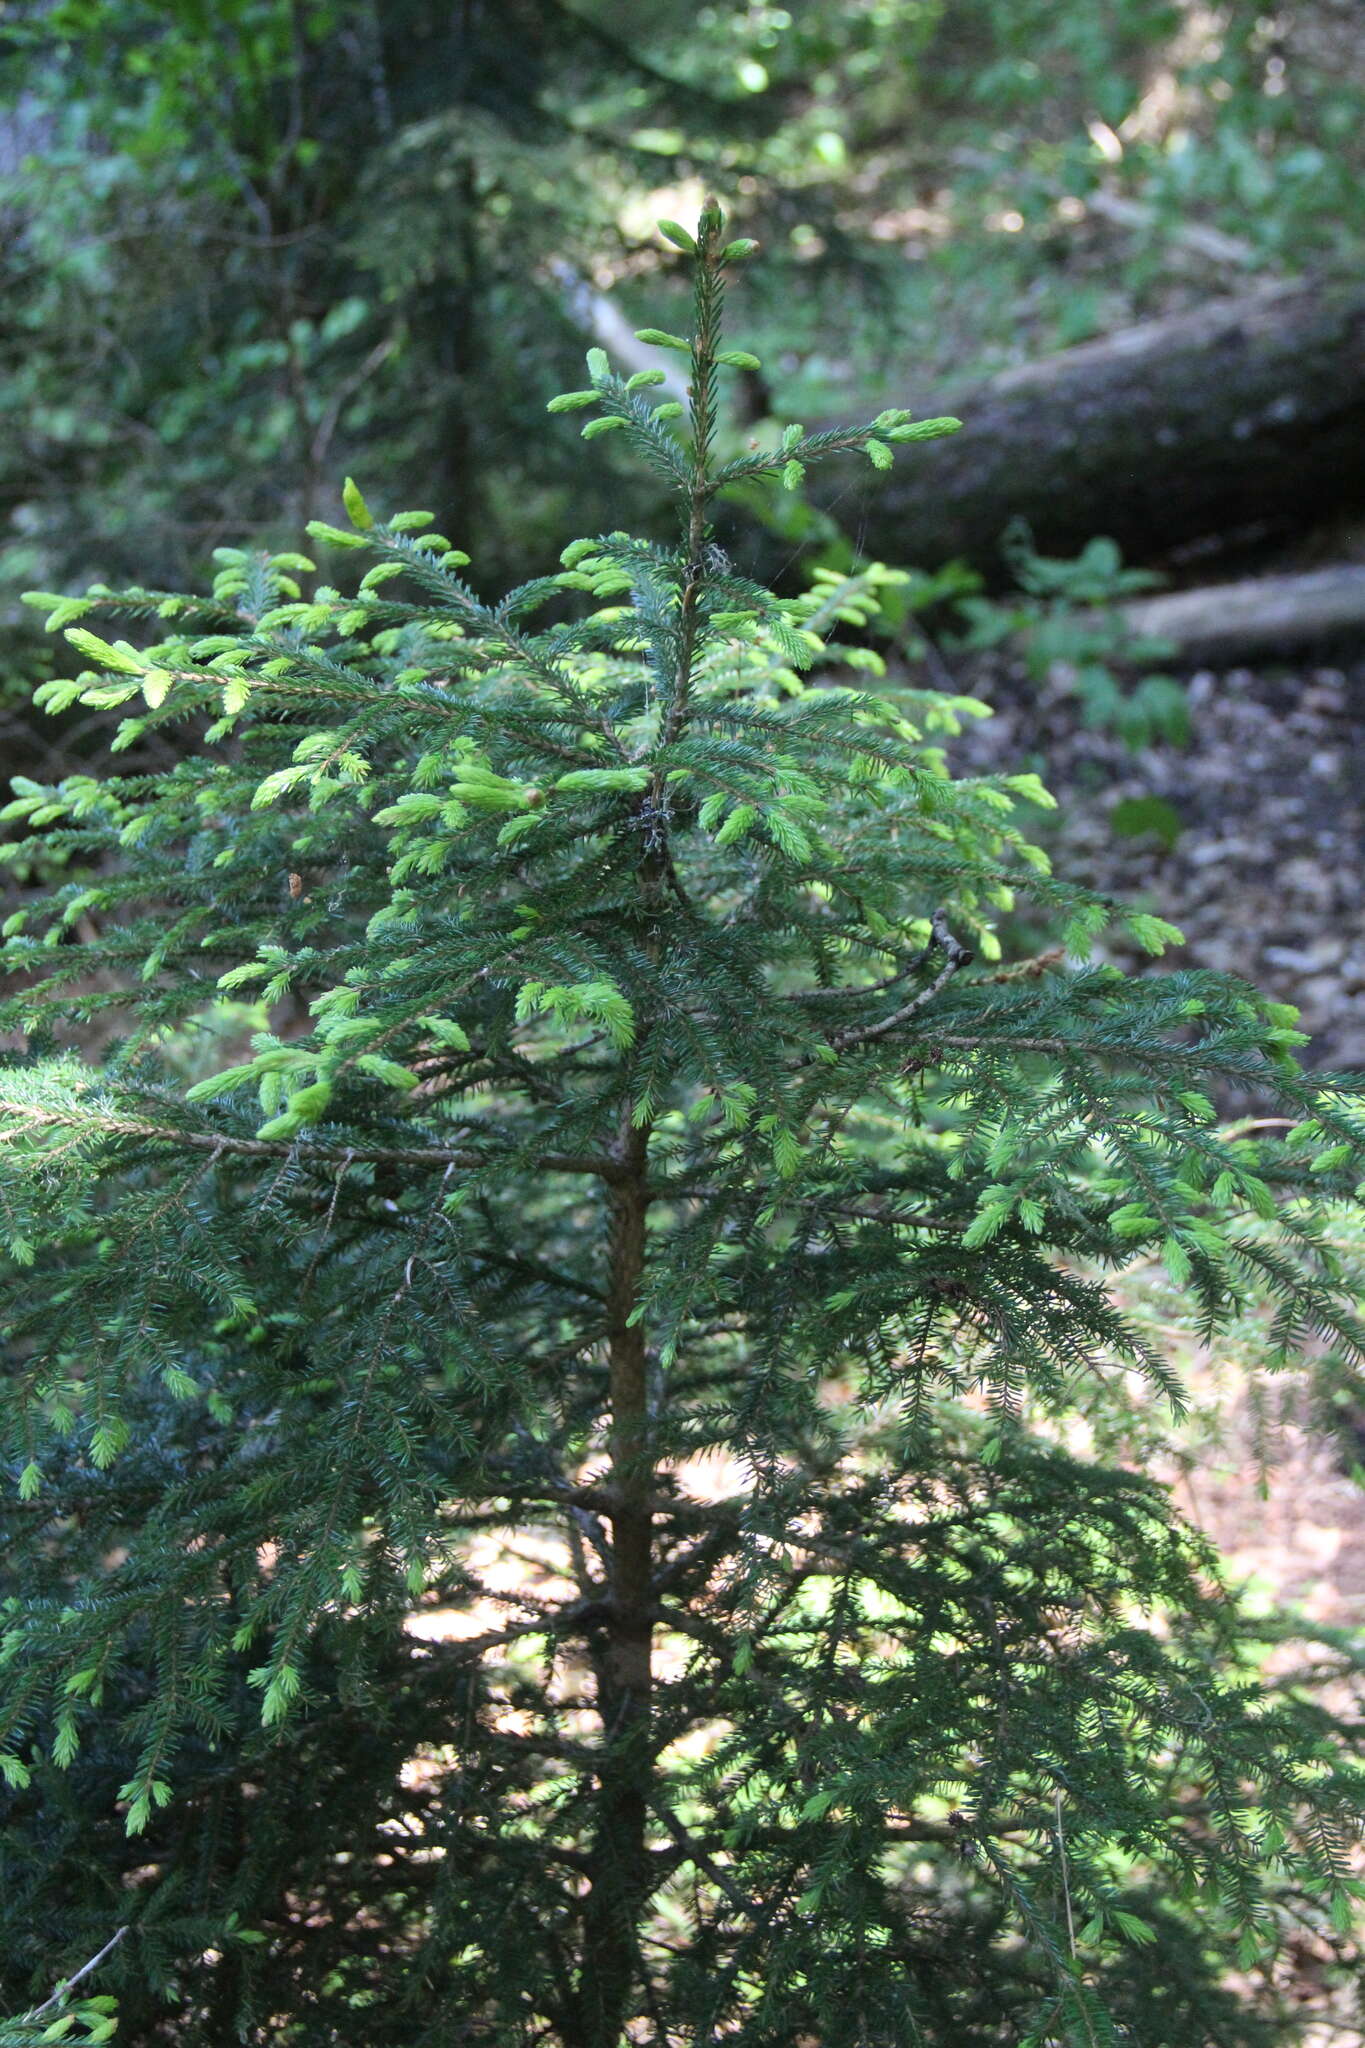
x: 1267, y: 876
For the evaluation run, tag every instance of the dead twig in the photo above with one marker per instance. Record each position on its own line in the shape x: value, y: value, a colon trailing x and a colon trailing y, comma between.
x: 956, y: 956
x: 65, y: 1988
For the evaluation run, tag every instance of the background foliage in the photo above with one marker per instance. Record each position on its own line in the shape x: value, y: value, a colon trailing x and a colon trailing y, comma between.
x: 251, y: 246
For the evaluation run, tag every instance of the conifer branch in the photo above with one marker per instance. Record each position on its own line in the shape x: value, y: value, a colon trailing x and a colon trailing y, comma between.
x: 956, y: 956
x: 69, y: 1984
x: 29, y: 1118
x: 693, y: 1852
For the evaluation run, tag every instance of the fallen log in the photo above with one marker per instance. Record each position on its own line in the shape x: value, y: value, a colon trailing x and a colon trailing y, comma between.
x: 1228, y: 622
x: 1242, y: 419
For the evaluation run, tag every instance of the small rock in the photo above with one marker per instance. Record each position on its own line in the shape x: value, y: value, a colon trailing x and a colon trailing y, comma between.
x: 1216, y: 849
x: 1306, y: 878
x: 1306, y: 959
x: 1320, y: 997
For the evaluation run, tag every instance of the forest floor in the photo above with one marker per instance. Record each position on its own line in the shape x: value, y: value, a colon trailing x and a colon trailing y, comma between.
x: 1266, y: 879
x: 1267, y: 876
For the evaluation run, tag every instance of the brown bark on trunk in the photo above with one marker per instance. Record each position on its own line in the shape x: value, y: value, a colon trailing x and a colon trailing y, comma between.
x: 1242, y: 419
x: 619, y: 1877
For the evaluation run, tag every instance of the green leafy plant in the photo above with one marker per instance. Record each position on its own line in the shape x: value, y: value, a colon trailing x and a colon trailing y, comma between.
x: 1146, y: 817
x: 1067, y: 623
x: 537, y: 1507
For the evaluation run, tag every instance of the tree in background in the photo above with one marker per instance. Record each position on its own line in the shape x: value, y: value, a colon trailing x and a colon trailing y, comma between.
x: 246, y: 244
x: 264, y: 225
x: 558, y: 1526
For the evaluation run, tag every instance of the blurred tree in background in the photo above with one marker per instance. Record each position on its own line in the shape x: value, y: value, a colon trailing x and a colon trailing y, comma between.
x: 246, y: 246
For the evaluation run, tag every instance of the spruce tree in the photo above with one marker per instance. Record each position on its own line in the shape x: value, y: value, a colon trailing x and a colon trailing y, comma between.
x: 538, y: 1507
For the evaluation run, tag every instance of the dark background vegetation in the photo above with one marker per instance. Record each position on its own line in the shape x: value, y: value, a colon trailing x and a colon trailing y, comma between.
x: 249, y: 246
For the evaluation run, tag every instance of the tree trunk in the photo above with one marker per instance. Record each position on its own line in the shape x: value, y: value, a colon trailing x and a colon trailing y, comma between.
x: 1241, y: 419
x: 619, y: 1878
x: 1264, y: 615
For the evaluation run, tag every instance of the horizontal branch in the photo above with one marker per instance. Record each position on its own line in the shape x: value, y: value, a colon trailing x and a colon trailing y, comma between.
x: 951, y: 1833
x: 955, y: 956
x: 28, y: 1117
x: 1236, y: 621
x: 1244, y: 414
x: 695, y: 1853
x: 1006, y: 1042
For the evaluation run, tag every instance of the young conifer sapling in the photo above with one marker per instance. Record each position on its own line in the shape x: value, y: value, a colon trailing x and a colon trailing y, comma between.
x: 538, y: 1509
